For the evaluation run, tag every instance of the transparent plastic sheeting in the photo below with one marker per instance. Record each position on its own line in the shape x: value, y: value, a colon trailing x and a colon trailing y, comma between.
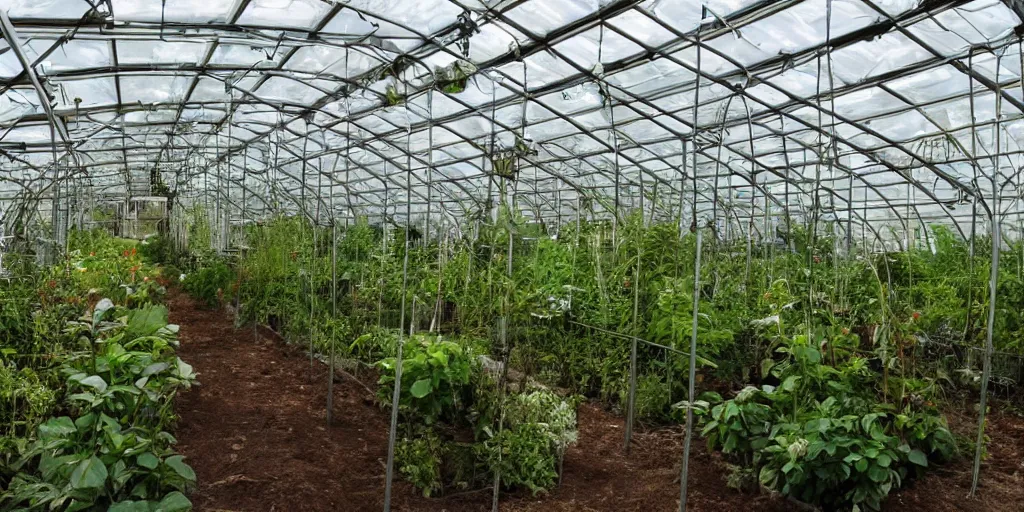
x: 858, y: 111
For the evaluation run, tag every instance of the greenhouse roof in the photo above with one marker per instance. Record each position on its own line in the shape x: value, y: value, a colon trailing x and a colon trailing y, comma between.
x: 858, y: 110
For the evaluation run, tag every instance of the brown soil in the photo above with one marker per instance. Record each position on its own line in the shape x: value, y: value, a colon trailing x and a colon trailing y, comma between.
x: 256, y: 433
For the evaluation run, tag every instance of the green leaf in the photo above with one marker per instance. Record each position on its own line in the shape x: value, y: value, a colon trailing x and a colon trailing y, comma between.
x: 768, y: 476
x: 147, y: 460
x: 177, y: 463
x: 884, y: 460
x: 93, y: 381
x: 918, y: 457
x: 154, y: 368
x: 878, y: 474
x: 861, y: 465
x: 89, y: 474
x: 731, y: 410
x: 421, y: 388
x: 174, y: 502
x: 57, y: 427
x: 184, y: 370
x: 146, y: 321
x: 131, y: 506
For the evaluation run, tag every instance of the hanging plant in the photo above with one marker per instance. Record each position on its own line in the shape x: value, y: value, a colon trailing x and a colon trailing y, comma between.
x: 453, y: 79
x: 394, y: 98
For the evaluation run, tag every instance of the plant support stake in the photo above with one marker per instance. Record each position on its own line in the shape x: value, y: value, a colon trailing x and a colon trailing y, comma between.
x: 693, y: 376
x: 390, y: 473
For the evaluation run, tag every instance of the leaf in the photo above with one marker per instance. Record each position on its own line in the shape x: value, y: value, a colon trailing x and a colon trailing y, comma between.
x: 131, y: 506
x: 918, y: 457
x: 184, y: 370
x: 861, y: 465
x: 93, y: 381
x: 421, y: 388
x: 57, y: 427
x: 174, y: 502
x: 155, y: 368
x: 177, y: 463
x: 878, y: 474
x: 146, y: 321
x: 147, y: 460
x: 89, y: 474
x: 731, y: 410
x: 884, y: 460
x: 100, y: 310
x: 790, y: 383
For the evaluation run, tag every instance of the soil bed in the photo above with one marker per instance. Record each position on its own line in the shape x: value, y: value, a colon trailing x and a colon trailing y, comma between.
x: 256, y: 433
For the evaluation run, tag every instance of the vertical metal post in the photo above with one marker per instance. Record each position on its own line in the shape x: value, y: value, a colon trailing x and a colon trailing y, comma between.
x: 503, y: 339
x: 986, y: 372
x: 334, y: 310
x: 630, y: 413
x: 693, y: 376
x: 397, y: 394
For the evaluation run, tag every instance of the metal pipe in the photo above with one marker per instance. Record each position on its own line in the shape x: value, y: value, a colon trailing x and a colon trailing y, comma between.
x: 630, y: 413
x: 693, y: 376
x: 986, y: 372
x: 397, y: 394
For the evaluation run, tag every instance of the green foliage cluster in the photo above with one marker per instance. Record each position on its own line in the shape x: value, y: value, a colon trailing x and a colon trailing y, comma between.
x: 87, y: 381
x: 799, y: 315
x: 211, y: 283
x: 824, y: 435
x: 435, y: 379
x: 445, y: 393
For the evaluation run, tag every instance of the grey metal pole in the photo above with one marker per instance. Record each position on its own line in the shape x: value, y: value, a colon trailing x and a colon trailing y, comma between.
x: 334, y: 310
x: 397, y: 394
x: 693, y: 376
x: 630, y: 413
x: 503, y: 338
x: 986, y: 372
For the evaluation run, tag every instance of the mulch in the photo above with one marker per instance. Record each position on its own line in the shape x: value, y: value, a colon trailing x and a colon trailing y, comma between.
x: 256, y: 433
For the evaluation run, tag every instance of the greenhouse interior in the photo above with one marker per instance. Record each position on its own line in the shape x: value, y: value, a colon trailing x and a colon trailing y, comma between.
x: 512, y: 255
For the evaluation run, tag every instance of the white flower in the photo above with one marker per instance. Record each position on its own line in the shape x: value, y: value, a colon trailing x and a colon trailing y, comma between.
x: 181, y: 277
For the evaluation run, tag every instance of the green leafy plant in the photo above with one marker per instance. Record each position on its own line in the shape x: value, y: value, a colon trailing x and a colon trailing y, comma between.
x: 419, y: 460
x: 435, y: 378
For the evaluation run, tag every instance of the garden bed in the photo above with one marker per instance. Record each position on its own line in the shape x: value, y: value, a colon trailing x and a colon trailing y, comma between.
x: 256, y: 433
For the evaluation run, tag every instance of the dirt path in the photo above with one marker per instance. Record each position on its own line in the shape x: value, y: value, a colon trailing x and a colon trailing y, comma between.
x: 256, y: 433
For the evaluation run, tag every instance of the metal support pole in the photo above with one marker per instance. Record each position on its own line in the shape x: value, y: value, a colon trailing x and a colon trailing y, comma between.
x: 986, y: 364
x: 693, y: 376
x: 334, y: 310
x: 503, y: 339
x: 397, y: 394
x: 630, y: 413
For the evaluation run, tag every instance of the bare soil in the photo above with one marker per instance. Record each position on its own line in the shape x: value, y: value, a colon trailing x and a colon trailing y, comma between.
x: 256, y: 433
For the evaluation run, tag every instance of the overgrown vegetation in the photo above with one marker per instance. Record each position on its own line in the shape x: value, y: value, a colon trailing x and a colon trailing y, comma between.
x: 88, y: 378
x: 834, y: 366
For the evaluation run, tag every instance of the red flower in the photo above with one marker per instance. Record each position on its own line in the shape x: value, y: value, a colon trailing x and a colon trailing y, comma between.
x: 916, y: 315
